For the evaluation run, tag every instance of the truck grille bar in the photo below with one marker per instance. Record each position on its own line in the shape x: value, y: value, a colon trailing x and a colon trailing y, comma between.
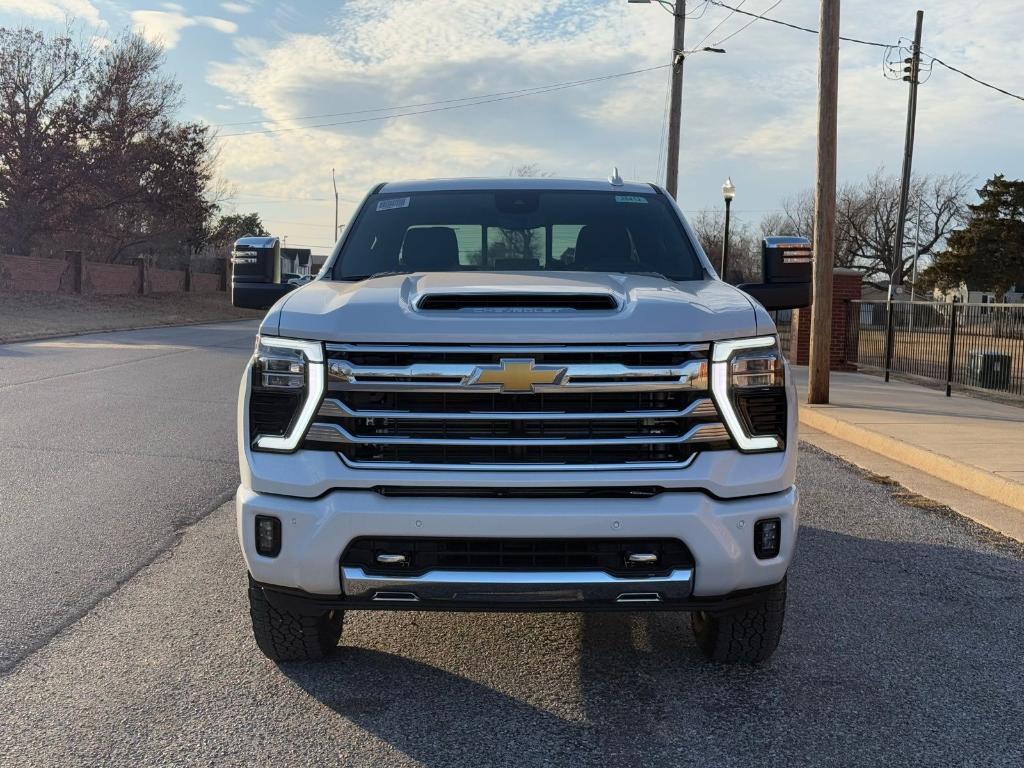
x: 455, y: 377
x: 517, y: 407
x: 336, y: 409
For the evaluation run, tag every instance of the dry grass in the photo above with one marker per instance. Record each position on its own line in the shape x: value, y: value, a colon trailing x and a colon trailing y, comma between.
x: 26, y: 315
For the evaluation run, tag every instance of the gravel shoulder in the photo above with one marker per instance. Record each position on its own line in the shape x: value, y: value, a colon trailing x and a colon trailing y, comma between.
x: 26, y: 316
x: 902, y: 647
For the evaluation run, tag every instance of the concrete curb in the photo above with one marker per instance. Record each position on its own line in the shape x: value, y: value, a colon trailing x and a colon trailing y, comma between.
x: 70, y: 334
x: 977, y: 481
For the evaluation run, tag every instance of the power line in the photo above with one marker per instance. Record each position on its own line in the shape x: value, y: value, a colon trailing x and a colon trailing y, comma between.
x: 299, y: 223
x: 756, y: 18
x: 934, y: 59
x: 732, y: 11
x: 664, y: 129
x: 975, y: 79
x: 476, y: 101
x: 762, y: 17
x: 251, y: 196
x: 394, y: 108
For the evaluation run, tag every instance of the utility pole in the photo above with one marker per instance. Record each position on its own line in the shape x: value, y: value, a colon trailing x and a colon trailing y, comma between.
x: 913, y: 70
x: 675, y: 117
x: 335, y: 183
x: 824, y: 204
x: 917, y: 254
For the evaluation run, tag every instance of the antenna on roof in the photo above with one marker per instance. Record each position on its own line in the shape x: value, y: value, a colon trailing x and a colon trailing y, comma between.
x: 615, y: 180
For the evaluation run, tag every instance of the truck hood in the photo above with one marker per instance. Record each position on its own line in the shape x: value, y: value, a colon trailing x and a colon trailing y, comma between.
x: 387, y: 309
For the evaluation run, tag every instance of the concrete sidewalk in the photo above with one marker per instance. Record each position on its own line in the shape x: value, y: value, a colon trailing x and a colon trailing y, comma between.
x: 972, y: 443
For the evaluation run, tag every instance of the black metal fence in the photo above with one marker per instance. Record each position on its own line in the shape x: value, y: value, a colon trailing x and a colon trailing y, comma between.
x: 973, y: 346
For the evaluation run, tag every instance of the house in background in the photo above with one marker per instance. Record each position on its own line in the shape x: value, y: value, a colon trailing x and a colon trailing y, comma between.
x: 316, y: 262
x: 971, y: 294
x: 296, y: 261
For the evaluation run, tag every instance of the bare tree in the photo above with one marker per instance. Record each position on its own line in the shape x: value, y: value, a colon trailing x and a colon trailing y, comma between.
x: 522, y: 243
x: 90, y: 151
x: 128, y: 105
x: 529, y: 171
x: 938, y: 202
x: 41, y: 124
x: 744, y: 244
x: 866, y: 220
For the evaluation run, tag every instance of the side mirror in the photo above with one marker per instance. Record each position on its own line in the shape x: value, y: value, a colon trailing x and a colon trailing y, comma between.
x: 787, y: 264
x: 258, y: 295
x: 256, y: 273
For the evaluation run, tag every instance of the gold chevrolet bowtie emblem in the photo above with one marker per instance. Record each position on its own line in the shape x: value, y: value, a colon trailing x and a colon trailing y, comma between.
x: 517, y: 375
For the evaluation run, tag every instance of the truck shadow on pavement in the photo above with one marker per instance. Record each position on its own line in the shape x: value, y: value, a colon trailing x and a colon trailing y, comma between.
x: 893, y: 653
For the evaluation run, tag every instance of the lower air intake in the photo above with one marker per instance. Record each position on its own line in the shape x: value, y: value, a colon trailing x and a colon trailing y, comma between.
x: 426, y: 554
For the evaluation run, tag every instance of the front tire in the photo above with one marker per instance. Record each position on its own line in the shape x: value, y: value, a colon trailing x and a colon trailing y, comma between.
x: 286, y: 636
x: 743, y: 637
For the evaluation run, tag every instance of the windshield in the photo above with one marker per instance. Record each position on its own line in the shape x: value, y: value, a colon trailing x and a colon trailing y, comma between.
x: 517, y: 231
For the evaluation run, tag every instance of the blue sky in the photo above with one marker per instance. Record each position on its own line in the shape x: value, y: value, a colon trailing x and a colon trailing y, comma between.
x: 748, y: 114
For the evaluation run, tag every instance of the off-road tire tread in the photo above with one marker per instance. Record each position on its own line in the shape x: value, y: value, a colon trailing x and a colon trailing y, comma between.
x: 286, y: 636
x: 744, y: 637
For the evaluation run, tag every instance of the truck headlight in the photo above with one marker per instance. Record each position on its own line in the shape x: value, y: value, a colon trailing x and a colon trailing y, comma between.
x: 748, y: 383
x: 286, y: 386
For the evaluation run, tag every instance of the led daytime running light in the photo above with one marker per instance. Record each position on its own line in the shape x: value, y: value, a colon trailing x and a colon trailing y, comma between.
x: 313, y: 352
x: 721, y: 354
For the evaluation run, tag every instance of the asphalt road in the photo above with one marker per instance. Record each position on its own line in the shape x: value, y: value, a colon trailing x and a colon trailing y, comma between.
x: 903, y: 646
x: 109, y: 444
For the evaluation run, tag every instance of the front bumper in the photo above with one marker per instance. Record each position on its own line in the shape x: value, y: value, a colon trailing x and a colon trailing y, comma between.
x: 514, y: 587
x: 300, y: 602
x: 718, y: 532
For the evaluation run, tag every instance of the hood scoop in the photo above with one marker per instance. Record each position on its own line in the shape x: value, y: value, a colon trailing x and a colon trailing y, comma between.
x: 516, y: 302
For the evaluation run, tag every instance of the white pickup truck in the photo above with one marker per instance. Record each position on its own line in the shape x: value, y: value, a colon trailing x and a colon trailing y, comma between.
x: 519, y: 394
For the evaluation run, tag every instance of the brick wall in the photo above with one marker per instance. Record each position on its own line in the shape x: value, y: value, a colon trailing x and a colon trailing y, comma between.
x: 110, y: 278
x: 203, y: 282
x: 846, y: 285
x: 22, y: 273
x: 166, y: 280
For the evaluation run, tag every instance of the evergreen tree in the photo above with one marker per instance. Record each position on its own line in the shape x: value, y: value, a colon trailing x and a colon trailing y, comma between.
x: 232, y: 226
x: 989, y: 252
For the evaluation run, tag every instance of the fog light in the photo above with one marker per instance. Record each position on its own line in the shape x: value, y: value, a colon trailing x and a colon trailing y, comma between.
x: 268, y: 536
x: 767, y: 538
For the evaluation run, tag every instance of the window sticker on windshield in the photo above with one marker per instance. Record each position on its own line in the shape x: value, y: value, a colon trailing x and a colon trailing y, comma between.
x: 631, y: 199
x: 392, y: 203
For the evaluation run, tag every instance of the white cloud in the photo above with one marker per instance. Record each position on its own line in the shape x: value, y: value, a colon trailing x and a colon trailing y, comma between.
x: 161, y: 26
x: 750, y: 113
x: 55, y: 10
x: 165, y: 27
x: 174, y: 7
x: 236, y: 7
x: 221, y: 25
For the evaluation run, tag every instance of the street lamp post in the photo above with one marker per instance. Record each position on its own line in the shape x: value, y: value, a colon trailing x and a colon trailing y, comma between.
x: 728, y: 192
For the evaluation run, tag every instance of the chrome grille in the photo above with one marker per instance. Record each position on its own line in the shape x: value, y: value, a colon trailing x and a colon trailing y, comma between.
x: 517, y: 407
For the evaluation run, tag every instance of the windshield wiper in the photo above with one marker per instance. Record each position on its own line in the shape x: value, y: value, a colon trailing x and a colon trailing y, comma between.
x: 360, y: 278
